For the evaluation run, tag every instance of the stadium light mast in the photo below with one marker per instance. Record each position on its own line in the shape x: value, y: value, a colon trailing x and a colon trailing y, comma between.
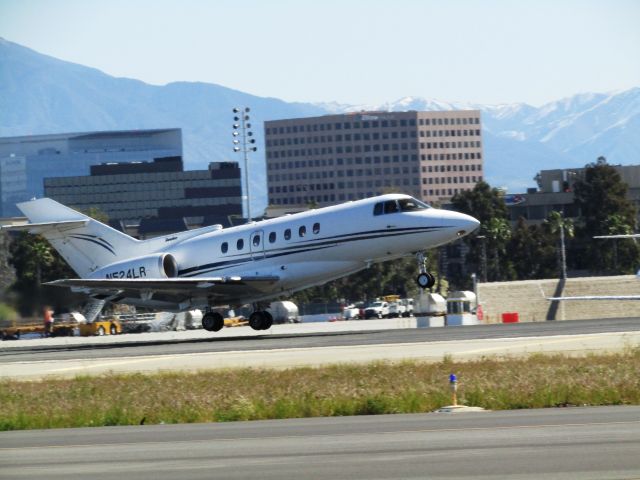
x: 244, y: 142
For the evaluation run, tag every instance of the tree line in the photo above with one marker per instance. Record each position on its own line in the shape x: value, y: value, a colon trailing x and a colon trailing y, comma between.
x: 499, y: 251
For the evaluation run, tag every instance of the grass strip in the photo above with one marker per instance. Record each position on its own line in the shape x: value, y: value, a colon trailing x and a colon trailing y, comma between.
x: 255, y: 394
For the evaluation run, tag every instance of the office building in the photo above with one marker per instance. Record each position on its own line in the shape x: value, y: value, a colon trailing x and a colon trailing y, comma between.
x: 335, y: 158
x: 147, y: 199
x: 26, y: 161
x: 555, y: 193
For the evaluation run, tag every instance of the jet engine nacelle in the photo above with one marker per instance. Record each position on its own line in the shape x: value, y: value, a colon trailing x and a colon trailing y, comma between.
x: 159, y: 265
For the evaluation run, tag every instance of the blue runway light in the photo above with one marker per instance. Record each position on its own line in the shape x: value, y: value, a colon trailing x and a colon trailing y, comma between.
x: 453, y: 378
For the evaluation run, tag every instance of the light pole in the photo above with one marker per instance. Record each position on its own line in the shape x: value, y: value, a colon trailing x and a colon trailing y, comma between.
x: 243, y: 142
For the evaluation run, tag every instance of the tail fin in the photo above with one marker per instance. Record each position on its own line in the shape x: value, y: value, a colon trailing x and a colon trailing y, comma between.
x: 83, y: 242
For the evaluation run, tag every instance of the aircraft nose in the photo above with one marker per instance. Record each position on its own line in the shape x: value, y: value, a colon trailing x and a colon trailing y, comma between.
x: 462, y: 224
x: 471, y: 223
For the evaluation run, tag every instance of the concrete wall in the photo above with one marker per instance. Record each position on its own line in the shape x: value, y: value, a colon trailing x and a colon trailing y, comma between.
x: 528, y: 298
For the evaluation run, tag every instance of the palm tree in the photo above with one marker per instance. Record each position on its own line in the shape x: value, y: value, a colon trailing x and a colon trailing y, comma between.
x: 616, y: 224
x: 564, y: 226
x: 498, y: 231
x: 41, y: 256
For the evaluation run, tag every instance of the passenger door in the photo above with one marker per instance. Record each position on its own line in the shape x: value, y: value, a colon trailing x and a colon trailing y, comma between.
x: 256, y: 244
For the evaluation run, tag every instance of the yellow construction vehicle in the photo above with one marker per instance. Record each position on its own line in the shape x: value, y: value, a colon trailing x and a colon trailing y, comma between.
x: 100, y: 327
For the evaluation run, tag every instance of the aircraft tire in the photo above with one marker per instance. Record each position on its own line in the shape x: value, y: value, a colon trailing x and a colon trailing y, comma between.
x: 267, y: 320
x: 218, y: 322
x: 256, y: 320
x: 425, y: 280
x: 113, y: 330
x: 208, y: 321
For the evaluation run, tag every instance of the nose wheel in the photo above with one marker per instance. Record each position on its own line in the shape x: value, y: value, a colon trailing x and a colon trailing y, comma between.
x: 424, y: 279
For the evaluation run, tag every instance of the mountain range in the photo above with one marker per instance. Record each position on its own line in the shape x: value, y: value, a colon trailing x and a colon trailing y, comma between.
x: 40, y: 94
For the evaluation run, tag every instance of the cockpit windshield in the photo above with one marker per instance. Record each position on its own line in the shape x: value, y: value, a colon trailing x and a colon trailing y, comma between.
x: 401, y: 205
x: 411, y: 205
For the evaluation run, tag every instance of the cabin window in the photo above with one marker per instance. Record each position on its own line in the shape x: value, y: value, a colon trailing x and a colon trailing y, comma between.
x: 390, y: 206
x: 240, y: 244
x: 272, y: 237
x: 316, y: 228
x: 302, y: 231
x: 287, y: 234
x: 224, y: 247
x: 377, y: 210
x: 256, y: 240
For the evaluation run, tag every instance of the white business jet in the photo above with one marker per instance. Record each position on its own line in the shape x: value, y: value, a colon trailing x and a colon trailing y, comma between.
x: 251, y: 263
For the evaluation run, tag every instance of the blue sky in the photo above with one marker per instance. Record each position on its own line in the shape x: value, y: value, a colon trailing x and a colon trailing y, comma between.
x: 350, y: 51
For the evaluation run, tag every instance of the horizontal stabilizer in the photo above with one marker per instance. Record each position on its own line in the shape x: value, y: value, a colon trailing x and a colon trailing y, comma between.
x: 47, y: 226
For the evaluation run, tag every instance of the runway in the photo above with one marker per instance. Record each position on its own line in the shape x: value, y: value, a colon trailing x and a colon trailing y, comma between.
x: 293, y: 346
x: 584, y: 443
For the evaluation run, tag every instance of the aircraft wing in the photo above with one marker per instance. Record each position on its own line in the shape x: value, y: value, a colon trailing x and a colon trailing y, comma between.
x: 222, y: 290
x: 604, y: 297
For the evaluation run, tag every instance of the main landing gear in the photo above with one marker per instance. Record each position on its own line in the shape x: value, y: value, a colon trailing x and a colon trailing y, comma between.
x: 260, y: 320
x: 424, y: 278
x: 212, y: 321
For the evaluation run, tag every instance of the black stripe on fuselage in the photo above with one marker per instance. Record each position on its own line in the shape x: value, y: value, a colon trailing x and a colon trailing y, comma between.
x: 305, y: 246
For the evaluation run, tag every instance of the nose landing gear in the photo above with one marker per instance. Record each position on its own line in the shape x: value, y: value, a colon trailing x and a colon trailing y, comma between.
x: 424, y: 279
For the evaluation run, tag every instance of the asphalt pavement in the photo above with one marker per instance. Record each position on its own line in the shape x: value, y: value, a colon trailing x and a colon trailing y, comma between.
x: 292, y: 336
x: 569, y: 443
